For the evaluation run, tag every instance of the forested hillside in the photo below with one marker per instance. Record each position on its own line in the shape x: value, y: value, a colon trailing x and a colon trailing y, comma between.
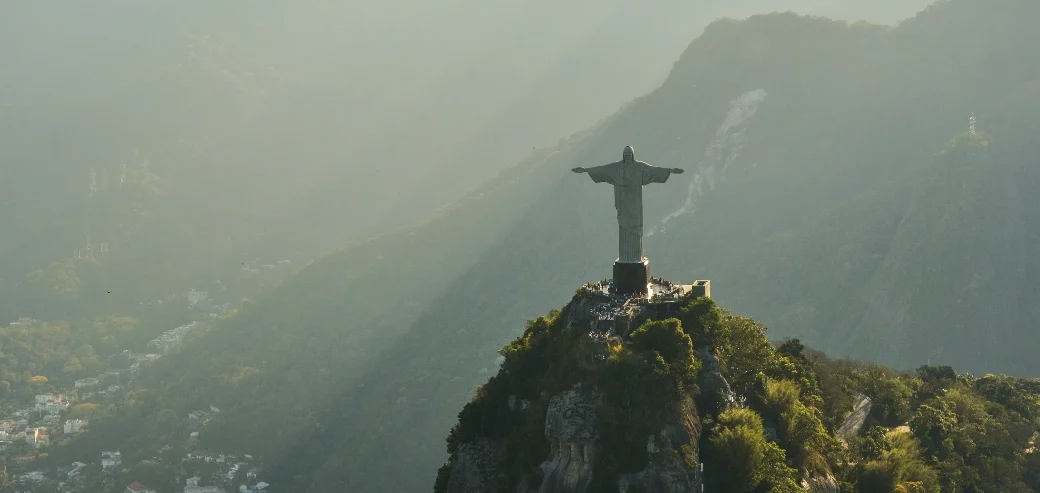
x: 699, y: 397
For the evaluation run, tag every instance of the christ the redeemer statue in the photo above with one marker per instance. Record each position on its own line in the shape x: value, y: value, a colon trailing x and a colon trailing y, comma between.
x: 628, y: 177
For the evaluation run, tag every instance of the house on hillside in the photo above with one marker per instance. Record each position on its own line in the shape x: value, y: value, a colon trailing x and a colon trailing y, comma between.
x: 76, y: 470
x: 87, y: 382
x: 37, y: 437
x: 136, y: 487
x: 195, y: 297
x: 203, y: 489
x: 199, y: 418
x: 172, y: 337
x: 260, y: 487
x: 111, y: 459
x: 31, y: 477
x: 51, y: 403
x: 50, y: 420
x: 73, y: 426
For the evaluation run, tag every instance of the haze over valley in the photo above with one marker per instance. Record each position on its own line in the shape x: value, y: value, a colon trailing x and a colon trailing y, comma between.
x: 295, y: 238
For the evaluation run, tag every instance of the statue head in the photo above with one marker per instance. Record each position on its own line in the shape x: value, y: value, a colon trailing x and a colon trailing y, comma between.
x: 629, y: 156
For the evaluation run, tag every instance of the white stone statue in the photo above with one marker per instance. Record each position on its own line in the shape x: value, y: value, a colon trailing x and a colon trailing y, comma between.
x: 628, y: 177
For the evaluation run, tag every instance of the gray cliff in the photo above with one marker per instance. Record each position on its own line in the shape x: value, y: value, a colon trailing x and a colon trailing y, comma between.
x: 571, y: 428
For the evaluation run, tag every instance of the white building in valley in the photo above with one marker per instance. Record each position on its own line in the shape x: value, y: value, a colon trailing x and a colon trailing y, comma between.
x: 51, y: 403
x: 73, y: 426
x: 87, y: 382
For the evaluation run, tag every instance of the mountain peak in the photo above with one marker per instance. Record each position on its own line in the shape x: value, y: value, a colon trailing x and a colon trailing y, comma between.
x: 598, y: 395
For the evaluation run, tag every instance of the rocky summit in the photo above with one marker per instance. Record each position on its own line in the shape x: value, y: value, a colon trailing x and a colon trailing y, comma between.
x: 581, y: 400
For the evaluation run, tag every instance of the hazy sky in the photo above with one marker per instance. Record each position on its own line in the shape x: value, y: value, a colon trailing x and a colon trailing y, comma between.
x: 356, y: 116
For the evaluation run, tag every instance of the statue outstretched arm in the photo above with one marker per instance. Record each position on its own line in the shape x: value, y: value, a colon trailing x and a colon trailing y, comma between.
x: 654, y: 174
x: 599, y: 174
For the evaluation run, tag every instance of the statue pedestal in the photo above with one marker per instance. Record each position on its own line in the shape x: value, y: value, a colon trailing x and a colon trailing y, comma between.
x: 632, y: 277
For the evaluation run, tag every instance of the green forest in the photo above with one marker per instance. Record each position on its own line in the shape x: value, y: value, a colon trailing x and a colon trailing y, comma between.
x: 36, y: 357
x: 930, y: 430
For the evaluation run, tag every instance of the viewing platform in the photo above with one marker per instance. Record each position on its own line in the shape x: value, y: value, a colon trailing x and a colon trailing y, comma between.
x: 658, y: 291
x: 619, y: 313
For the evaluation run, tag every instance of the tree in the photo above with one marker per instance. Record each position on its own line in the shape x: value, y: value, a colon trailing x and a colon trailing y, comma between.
x: 702, y: 319
x: 745, y: 353
x: 73, y: 366
x: 900, y: 468
x: 153, y: 475
x: 743, y: 461
x: 667, y: 339
x: 6, y: 485
x: 891, y: 398
x: 934, y: 427
x: 83, y: 410
x: 792, y: 348
x: 875, y: 443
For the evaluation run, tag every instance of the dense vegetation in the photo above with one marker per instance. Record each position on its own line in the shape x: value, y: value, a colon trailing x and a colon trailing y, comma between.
x: 815, y: 210
x: 39, y: 356
x: 928, y: 431
x: 643, y: 385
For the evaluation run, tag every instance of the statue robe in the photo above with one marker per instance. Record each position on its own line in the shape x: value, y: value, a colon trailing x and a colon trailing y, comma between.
x: 628, y: 179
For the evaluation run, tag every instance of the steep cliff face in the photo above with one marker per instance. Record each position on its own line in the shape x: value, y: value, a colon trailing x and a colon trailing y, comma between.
x: 475, y: 466
x: 711, y: 380
x: 572, y: 428
x: 665, y: 470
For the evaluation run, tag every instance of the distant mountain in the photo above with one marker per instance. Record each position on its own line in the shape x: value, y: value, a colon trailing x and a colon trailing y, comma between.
x: 810, y: 146
x: 958, y: 275
x: 276, y: 131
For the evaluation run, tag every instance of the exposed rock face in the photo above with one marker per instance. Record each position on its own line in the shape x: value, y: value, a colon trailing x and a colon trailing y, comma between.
x: 665, y: 472
x: 475, y: 467
x: 711, y: 380
x: 571, y: 428
x: 578, y: 314
x: 854, y: 422
x: 825, y: 484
